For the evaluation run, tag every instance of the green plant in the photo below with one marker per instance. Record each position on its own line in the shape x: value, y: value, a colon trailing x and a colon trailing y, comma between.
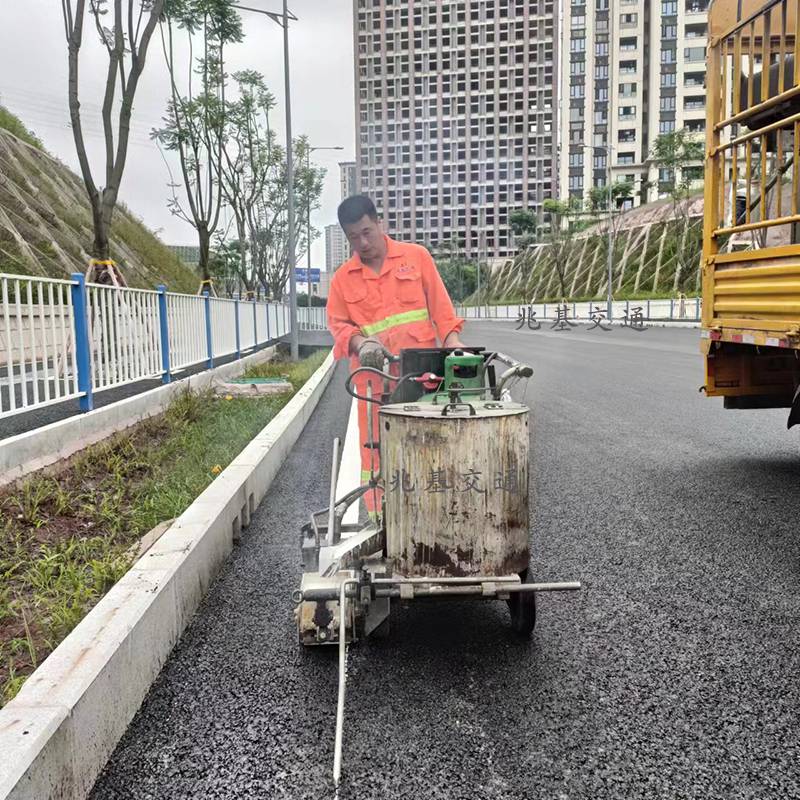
x: 32, y: 498
x: 12, y: 124
x: 101, y: 504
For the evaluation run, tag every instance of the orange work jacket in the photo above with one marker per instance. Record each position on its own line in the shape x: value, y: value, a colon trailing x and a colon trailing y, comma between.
x: 405, y: 305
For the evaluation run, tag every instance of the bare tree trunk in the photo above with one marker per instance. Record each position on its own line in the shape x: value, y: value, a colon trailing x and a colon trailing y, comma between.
x: 100, y: 246
x: 204, y: 241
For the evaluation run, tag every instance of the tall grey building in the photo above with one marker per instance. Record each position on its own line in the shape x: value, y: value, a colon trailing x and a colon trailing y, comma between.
x: 337, y: 248
x: 456, y: 107
x: 347, y: 178
x: 631, y: 70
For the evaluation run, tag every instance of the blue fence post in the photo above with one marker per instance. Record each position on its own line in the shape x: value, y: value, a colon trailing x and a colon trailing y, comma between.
x: 266, y: 305
x: 255, y: 326
x: 83, y: 362
x: 164, y: 324
x: 544, y: 312
x: 671, y: 307
x: 209, y: 342
x: 697, y: 308
x: 238, y: 333
x: 648, y: 309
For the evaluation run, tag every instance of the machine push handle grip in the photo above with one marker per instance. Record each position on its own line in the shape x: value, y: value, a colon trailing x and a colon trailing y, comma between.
x: 523, y: 370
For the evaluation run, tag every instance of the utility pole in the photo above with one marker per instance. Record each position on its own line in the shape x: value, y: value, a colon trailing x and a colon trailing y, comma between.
x: 610, y: 230
x: 290, y: 254
x: 608, y: 149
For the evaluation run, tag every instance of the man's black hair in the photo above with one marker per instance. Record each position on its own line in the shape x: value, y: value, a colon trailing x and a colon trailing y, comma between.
x: 355, y: 208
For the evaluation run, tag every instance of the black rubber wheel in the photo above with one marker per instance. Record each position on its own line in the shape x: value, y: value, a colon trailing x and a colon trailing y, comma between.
x: 522, y: 606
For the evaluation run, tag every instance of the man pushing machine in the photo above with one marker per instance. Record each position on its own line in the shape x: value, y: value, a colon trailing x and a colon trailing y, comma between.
x: 388, y: 296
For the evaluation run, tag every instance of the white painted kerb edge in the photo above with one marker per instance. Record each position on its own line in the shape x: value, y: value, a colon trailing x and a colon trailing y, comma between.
x: 58, y: 733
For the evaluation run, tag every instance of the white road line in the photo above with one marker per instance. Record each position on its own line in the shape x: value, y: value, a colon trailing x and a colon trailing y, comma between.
x: 350, y: 468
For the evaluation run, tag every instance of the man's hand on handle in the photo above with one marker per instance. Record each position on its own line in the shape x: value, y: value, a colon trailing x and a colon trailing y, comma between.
x: 371, y: 353
x: 452, y: 340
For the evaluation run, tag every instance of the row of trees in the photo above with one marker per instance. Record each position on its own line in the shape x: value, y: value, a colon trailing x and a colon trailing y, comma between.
x: 674, y: 154
x: 217, y: 126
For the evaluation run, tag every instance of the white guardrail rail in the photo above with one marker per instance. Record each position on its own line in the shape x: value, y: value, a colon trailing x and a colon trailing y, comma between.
x: 683, y: 309
x: 67, y: 339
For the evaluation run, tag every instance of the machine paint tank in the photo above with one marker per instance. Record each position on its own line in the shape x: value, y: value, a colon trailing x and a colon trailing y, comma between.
x: 455, y: 475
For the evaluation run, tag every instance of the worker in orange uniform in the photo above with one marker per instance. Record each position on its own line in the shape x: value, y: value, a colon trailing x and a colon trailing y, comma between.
x: 387, y: 297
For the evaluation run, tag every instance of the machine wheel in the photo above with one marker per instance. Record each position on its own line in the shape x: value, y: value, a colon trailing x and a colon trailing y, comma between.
x: 522, y: 606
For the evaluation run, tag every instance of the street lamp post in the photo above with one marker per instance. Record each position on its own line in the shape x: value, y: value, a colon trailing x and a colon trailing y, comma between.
x: 610, y: 259
x: 282, y: 19
x: 309, y: 151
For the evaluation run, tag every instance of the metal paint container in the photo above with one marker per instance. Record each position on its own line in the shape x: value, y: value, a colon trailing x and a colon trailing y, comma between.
x: 456, y: 488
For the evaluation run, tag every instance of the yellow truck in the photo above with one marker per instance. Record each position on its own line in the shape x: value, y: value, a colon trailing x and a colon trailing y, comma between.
x: 751, y: 233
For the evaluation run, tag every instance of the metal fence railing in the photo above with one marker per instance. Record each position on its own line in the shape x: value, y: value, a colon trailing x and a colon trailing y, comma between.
x: 124, y: 335
x: 64, y: 339
x: 37, y: 346
x: 683, y: 309
x: 312, y: 319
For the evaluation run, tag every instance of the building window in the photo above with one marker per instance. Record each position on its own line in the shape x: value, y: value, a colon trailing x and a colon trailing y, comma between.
x: 694, y: 54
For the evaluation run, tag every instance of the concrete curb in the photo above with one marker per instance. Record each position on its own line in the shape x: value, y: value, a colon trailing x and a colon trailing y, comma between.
x: 58, y: 733
x: 33, y: 450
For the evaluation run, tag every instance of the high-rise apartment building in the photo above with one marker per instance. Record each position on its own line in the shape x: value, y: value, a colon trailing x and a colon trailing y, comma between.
x: 347, y: 178
x: 337, y: 248
x: 456, y: 125
x: 630, y: 71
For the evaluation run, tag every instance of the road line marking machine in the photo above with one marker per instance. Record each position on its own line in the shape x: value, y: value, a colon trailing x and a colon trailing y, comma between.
x: 453, y: 519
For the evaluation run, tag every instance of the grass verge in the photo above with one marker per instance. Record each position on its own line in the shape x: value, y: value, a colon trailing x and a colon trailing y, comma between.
x: 66, y: 540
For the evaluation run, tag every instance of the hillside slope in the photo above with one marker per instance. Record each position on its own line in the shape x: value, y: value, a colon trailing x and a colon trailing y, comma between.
x: 46, y: 224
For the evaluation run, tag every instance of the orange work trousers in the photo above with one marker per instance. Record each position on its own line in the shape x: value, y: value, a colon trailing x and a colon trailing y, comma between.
x: 370, y: 456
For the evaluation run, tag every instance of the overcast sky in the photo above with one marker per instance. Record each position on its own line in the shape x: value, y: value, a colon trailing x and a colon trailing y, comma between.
x: 33, y: 84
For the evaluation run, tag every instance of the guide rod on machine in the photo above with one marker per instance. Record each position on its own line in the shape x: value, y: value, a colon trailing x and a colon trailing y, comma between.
x: 332, y: 496
x: 385, y: 587
x: 337, y: 743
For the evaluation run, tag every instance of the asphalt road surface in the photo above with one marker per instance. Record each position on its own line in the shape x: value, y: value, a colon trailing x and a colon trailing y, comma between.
x: 673, y: 674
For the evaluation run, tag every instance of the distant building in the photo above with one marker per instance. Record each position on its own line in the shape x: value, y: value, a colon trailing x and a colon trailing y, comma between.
x: 347, y: 178
x: 456, y: 121
x: 630, y: 72
x: 321, y: 289
x: 337, y: 248
x: 188, y: 253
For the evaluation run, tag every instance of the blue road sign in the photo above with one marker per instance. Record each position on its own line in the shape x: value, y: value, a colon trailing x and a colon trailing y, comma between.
x: 301, y: 275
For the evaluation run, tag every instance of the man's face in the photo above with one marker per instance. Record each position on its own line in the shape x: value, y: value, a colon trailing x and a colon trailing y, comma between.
x: 365, y: 237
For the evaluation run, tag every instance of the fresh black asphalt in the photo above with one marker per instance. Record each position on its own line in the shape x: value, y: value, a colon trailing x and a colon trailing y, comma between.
x: 672, y: 674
